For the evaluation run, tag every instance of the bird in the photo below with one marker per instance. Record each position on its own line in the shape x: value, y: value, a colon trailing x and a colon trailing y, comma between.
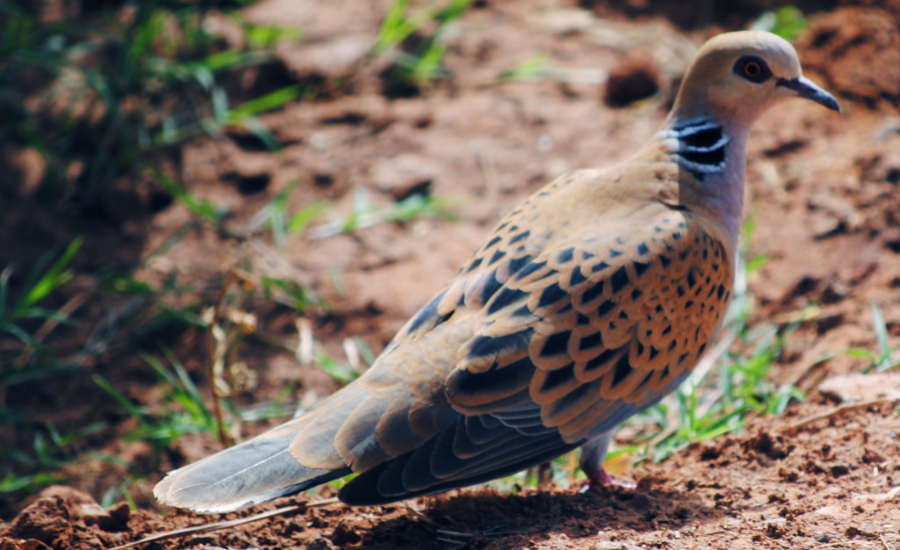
x: 588, y: 303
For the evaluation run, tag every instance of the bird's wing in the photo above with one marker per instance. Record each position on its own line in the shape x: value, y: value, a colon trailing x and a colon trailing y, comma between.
x: 595, y: 322
x: 567, y: 342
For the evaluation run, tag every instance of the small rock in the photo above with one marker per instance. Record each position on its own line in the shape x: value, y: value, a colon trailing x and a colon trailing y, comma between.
x: 327, y: 60
x: 861, y: 387
x: 79, y: 503
x: 831, y: 511
x: 404, y: 175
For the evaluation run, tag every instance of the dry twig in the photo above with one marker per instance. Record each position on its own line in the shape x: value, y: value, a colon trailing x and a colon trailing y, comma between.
x: 219, y: 525
x: 793, y: 428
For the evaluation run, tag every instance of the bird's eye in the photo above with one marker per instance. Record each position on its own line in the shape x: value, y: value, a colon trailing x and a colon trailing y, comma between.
x: 753, y: 69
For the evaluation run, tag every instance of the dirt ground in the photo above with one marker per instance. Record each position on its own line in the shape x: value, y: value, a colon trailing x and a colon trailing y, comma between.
x: 824, y: 190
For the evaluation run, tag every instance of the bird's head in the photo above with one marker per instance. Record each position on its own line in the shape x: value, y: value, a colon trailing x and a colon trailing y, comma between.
x: 736, y: 76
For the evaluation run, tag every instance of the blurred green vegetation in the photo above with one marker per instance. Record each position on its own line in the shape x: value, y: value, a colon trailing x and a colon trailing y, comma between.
x: 787, y: 22
x: 99, y: 95
x: 417, y: 54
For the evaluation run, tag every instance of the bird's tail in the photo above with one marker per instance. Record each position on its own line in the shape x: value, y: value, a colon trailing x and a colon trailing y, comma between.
x: 337, y: 437
x: 244, y: 475
x: 253, y: 472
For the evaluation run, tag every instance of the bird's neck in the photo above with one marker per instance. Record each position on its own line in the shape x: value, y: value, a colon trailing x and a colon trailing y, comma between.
x: 713, y: 153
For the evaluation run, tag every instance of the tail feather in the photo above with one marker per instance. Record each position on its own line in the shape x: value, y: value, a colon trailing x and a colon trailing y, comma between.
x: 250, y: 473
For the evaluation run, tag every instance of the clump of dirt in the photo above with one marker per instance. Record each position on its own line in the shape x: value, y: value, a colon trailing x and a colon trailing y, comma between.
x: 67, y: 518
x: 633, y: 79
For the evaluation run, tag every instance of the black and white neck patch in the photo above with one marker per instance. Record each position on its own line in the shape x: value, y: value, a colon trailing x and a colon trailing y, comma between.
x: 700, y: 147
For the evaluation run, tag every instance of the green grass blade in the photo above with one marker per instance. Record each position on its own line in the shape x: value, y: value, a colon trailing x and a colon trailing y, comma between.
x: 201, y: 208
x: 265, y: 103
x: 55, y: 277
x: 339, y: 372
x: 120, y: 398
x: 302, y: 219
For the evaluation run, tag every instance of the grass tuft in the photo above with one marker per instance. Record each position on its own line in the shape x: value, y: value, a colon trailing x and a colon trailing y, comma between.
x: 366, y: 215
x: 47, y: 276
x: 885, y: 358
x: 417, y: 57
x: 181, y: 409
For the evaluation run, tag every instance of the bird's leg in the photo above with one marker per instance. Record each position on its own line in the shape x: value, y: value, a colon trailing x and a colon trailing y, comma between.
x: 592, y: 454
x: 544, y: 473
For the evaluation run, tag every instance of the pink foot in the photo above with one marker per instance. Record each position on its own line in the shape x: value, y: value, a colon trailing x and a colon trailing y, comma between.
x: 597, y: 477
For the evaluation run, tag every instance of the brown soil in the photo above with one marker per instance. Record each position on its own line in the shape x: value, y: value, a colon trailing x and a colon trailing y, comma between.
x: 823, y: 190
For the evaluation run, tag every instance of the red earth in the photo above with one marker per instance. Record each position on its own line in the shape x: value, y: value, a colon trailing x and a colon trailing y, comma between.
x: 824, y: 191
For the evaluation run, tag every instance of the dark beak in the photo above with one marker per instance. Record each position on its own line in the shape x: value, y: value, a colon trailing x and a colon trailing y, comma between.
x: 807, y: 89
